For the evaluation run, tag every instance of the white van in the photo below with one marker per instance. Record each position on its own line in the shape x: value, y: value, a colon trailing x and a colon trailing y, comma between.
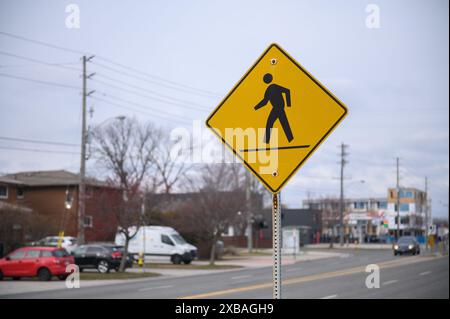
x: 159, y: 243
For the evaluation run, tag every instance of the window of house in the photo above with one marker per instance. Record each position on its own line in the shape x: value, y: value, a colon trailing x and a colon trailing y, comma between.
x: 88, y: 221
x: 404, y: 207
x: 406, y: 194
x: 3, y: 191
x: 359, y: 205
x: 382, y: 205
x: 404, y: 220
x: 20, y: 193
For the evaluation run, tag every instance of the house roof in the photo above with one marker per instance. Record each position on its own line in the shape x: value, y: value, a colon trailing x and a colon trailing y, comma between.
x: 7, y: 180
x: 48, y: 178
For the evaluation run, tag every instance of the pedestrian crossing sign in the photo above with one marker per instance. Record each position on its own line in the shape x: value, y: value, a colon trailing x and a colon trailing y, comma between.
x: 275, y: 117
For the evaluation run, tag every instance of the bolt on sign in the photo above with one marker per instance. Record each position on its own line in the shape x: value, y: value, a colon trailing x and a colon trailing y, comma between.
x: 275, y: 117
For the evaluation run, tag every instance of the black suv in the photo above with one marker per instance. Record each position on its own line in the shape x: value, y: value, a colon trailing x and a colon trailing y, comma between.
x: 102, y: 257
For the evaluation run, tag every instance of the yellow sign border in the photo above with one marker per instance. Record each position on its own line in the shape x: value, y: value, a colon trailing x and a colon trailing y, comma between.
x: 275, y: 191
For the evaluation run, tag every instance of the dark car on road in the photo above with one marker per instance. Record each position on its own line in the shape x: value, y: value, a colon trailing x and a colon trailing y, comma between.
x: 41, y: 262
x: 407, y: 245
x: 102, y: 257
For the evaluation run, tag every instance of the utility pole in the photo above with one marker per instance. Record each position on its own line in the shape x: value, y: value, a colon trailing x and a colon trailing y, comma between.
x: 341, y: 202
x: 398, y: 199
x: 248, y: 213
x: 426, y: 213
x: 82, y: 186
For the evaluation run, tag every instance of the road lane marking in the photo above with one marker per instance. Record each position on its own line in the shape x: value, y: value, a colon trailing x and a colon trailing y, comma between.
x: 425, y: 273
x: 389, y: 282
x: 241, y: 277
x: 329, y: 297
x: 350, y: 271
x: 152, y: 288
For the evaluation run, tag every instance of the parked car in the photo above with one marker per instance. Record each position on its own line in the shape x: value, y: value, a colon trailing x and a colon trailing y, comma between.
x: 160, y: 243
x: 407, y: 245
x: 102, y: 257
x: 43, y: 262
x: 68, y: 242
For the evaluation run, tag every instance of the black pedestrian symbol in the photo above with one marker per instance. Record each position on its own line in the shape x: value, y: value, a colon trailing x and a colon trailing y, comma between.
x: 274, y: 95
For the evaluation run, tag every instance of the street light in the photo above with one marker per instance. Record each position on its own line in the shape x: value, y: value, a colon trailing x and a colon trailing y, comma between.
x: 67, y: 205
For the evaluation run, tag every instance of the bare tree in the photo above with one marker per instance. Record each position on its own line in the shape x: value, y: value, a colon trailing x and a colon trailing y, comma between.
x: 215, y: 206
x: 170, y: 164
x: 125, y: 149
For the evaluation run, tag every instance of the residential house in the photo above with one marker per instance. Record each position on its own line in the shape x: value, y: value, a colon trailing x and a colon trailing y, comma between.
x: 54, y: 194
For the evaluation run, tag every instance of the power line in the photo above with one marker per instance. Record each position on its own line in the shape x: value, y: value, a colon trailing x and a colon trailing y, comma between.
x: 169, y: 118
x: 145, y: 107
x: 185, y: 102
x: 150, y: 81
x: 38, y: 81
x: 36, y: 150
x: 173, y: 84
x: 160, y: 78
x: 59, y: 65
x: 41, y: 43
x: 36, y: 141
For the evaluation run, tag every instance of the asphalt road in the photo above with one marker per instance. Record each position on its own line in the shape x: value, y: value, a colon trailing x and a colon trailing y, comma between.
x: 343, y: 277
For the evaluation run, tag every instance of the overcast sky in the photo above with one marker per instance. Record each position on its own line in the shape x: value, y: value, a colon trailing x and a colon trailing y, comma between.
x: 393, y: 79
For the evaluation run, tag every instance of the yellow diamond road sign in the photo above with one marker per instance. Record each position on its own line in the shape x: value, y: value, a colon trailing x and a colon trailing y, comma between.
x: 275, y: 117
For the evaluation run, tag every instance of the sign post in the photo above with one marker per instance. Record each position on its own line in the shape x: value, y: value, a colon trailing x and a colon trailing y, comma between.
x: 273, y: 120
x: 276, y: 244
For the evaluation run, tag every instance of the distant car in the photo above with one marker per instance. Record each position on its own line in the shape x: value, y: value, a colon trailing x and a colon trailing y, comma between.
x: 68, y: 242
x: 43, y: 262
x: 407, y: 245
x: 102, y: 257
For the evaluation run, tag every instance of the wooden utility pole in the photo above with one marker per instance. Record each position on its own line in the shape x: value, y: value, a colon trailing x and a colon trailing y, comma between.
x: 82, y: 186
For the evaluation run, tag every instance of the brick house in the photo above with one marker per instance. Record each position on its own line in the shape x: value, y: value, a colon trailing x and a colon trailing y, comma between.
x: 47, y: 192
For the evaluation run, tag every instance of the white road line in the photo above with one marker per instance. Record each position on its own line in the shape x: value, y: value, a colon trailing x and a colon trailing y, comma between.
x: 425, y: 273
x: 389, y: 282
x: 152, y: 288
x: 241, y: 277
x: 329, y: 297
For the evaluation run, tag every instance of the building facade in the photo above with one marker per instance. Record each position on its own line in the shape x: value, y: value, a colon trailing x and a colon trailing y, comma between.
x: 414, y: 211
x: 364, y: 218
x: 374, y: 219
x: 54, y: 194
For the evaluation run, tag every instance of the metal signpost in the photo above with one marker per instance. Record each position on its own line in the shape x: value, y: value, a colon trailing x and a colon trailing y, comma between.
x: 276, y: 244
x: 273, y: 120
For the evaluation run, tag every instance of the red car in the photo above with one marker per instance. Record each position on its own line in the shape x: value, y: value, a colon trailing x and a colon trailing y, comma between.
x: 43, y: 262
